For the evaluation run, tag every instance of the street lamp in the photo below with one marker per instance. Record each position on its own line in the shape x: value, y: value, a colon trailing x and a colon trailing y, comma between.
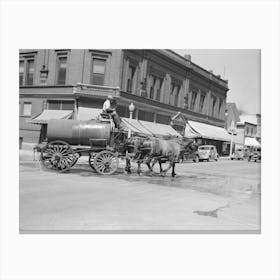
x: 230, y: 130
x: 131, y: 108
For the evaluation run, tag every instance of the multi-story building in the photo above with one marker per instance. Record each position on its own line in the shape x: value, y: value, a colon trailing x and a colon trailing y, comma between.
x: 74, y: 84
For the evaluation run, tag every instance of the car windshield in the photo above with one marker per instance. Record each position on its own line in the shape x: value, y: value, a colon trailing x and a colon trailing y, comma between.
x: 204, y: 148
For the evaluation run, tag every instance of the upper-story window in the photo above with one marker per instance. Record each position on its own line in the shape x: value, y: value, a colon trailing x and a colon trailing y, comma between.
x: 171, y: 94
x: 213, y: 105
x: 220, y: 105
x: 21, y: 72
x: 61, y: 69
x: 194, y: 95
x: 201, y: 101
x: 156, y: 77
x: 155, y: 87
x: 27, y: 70
x: 176, y: 95
x: 130, y: 78
x: 98, y: 70
x: 158, y: 88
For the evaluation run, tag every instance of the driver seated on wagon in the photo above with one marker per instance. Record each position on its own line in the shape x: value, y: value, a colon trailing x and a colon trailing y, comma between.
x: 109, y: 108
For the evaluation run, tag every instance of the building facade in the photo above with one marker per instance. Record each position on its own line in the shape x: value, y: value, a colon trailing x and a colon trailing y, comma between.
x: 160, y: 83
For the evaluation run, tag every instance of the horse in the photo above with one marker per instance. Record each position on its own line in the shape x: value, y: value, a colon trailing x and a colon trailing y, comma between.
x: 158, y: 150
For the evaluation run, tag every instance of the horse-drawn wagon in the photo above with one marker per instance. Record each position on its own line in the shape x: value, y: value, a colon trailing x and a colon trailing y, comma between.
x: 67, y: 140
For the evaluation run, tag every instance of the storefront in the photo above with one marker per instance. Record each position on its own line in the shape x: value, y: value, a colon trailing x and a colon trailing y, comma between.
x: 206, y: 134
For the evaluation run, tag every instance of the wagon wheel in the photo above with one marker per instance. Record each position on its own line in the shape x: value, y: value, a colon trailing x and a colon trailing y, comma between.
x: 91, y: 160
x: 58, y: 155
x: 105, y: 163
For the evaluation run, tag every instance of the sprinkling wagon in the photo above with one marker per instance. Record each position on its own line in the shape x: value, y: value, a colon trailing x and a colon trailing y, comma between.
x: 67, y: 140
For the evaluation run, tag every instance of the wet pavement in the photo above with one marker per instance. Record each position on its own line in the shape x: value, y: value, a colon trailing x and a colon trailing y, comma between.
x: 223, y: 195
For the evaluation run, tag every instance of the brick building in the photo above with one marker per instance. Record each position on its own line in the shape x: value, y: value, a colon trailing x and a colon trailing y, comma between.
x: 74, y: 84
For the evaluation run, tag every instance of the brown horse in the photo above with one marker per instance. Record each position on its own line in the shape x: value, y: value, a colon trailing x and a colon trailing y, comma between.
x: 158, y: 150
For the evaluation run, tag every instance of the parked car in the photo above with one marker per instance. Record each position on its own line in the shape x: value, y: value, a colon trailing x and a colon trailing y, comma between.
x: 239, y: 154
x: 255, y: 155
x: 207, y: 152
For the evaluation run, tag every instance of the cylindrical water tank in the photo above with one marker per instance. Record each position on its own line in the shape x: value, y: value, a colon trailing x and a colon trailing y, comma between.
x: 76, y: 132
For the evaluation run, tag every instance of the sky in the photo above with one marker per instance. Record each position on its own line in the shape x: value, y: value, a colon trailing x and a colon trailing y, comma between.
x: 241, y: 67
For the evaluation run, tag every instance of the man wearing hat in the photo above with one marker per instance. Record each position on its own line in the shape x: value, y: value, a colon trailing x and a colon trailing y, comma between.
x: 108, y: 104
x: 109, y: 107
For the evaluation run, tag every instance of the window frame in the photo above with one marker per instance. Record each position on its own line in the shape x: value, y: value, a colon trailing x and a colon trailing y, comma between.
x: 24, y: 57
x: 98, y: 57
x: 192, y: 105
x: 131, y: 65
x: 60, y: 104
x: 23, y: 105
x: 58, y: 56
x: 201, y: 103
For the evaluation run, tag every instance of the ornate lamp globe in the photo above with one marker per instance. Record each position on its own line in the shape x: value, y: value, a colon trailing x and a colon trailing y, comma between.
x: 131, y: 107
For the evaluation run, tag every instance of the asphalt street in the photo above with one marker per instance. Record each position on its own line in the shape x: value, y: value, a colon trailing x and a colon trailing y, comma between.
x: 205, y: 196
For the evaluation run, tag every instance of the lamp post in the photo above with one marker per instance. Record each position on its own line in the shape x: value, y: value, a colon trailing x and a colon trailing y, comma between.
x: 229, y: 130
x: 131, y: 108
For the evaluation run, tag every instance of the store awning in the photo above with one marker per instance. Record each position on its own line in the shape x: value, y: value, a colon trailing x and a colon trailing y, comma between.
x: 149, y: 128
x: 46, y: 115
x: 252, y: 142
x: 206, y: 131
x: 190, y: 132
x: 85, y: 114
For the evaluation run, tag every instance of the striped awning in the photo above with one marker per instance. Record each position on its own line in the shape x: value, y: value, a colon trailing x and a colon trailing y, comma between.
x: 251, y: 142
x: 207, y: 131
x: 47, y: 115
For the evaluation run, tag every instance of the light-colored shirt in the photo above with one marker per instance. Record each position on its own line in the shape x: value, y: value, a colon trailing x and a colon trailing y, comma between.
x: 106, y: 105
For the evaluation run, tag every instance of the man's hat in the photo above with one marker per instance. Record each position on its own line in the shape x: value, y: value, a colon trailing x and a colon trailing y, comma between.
x: 110, y: 97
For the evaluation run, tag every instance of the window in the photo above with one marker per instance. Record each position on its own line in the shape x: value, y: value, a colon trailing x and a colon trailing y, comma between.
x: 130, y: 78
x: 162, y: 119
x: 145, y: 116
x: 153, y: 87
x: 61, y: 70
x: 158, y: 90
x: 194, y: 95
x: 220, y: 105
x: 26, y: 69
x: 214, y: 103
x: 21, y: 72
x: 201, y: 102
x: 177, y: 92
x: 29, y: 72
x: 60, y: 105
x: 171, y: 97
x: 98, y: 71
x: 27, y: 106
